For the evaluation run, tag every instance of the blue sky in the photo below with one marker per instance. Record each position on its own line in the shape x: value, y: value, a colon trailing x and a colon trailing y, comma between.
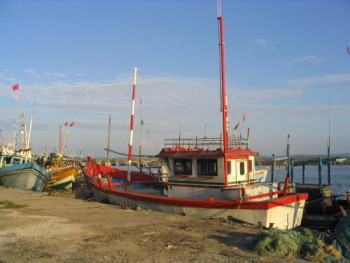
x: 76, y: 59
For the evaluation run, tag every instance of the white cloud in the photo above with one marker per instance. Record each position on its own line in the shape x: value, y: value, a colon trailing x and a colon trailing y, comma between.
x: 3, y: 76
x: 32, y: 72
x: 265, y: 42
x: 56, y: 74
x: 309, y: 59
x: 266, y: 94
x: 326, y: 79
x: 167, y: 104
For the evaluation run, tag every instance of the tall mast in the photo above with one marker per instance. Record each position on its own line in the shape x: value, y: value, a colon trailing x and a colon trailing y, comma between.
x: 61, y: 142
x: 132, y: 124
x: 223, y: 86
x: 223, y: 78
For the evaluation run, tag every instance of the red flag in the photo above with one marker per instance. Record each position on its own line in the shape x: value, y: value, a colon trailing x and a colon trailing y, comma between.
x: 244, y: 117
x: 72, y: 124
x: 15, y: 87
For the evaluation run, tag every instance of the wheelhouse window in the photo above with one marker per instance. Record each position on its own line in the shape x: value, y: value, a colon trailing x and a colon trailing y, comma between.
x: 241, y: 168
x: 183, y: 166
x: 207, y: 167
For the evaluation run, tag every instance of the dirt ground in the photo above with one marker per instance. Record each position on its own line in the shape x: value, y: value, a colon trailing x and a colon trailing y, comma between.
x: 42, y: 227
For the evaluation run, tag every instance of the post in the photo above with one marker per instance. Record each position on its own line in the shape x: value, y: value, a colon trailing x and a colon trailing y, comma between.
x: 291, y: 171
x: 131, y: 126
x: 28, y: 139
x: 29, y: 132
x: 303, y: 173
x: 248, y: 135
x: 320, y: 173
x: 108, y: 139
x: 140, y: 159
x: 273, y: 168
x: 288, y: 158
x: 329, y: 164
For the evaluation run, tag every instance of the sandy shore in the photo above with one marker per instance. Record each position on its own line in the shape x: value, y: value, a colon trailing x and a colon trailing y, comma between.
x: 46, y: 228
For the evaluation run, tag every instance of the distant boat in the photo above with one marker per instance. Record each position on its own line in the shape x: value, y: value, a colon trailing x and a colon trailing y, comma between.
x: 204, y: 178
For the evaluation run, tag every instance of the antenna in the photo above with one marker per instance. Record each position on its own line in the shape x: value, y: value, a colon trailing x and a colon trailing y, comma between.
x: 180, y: 130
x: 218, y: 8
x: 109, y: 138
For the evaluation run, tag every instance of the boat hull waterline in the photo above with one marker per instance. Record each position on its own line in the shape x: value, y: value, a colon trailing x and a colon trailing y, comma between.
x: 280, y: 212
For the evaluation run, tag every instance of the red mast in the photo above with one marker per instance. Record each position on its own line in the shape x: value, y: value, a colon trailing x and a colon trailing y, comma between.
x: 223, y: 86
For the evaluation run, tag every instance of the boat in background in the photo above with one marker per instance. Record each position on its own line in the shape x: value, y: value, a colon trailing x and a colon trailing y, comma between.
x: 63, y: 170
x: 204, y: 178
x: 17, y: 169
x: 63, y: 173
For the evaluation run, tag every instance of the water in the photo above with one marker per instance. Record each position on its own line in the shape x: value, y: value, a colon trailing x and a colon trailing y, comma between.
x: 340, y: 176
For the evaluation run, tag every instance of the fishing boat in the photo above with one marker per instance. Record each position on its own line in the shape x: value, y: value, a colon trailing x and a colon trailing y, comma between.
x: 17, y: 169
x: 63, y: 171
x: 204, y: 178
x: 17, y: 172
x: 62, y: 174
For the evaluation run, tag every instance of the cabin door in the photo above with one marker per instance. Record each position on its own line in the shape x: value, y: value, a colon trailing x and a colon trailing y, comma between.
x: 242, y: 171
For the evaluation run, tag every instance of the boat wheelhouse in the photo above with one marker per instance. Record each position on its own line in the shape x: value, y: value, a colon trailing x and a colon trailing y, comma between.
x: 196, y: 168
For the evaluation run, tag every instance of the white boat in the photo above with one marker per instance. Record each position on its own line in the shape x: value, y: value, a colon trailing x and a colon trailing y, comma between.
x: 205, y: 178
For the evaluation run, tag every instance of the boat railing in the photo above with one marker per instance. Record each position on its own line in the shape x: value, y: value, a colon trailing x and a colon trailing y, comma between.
x: 206, y: 143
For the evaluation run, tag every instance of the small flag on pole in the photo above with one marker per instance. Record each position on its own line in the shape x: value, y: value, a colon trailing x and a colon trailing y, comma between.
x: 244, y: 117
x: 15, y: 87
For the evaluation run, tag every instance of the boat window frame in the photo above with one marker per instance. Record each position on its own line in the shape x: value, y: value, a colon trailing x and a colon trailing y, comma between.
x: 186, y: 170
x: 208, y: 161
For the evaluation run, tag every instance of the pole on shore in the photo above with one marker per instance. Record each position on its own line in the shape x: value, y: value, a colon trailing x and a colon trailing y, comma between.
x: 131, y: 126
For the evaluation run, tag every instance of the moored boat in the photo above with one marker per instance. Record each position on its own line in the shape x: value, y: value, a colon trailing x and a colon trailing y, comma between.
x: 63, y: 171
x: 63, y: 177
x: 205, y: 178
x: 256, y: 203
x: 17, y: 172
x: 17, y: 169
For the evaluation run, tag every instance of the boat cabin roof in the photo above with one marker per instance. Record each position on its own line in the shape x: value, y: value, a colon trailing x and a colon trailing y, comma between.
x: 202, y: 153
x: 205, y: 148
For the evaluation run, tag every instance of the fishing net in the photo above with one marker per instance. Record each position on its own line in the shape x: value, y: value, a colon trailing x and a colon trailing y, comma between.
x: 301, y: 243
x: 341, y: 237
